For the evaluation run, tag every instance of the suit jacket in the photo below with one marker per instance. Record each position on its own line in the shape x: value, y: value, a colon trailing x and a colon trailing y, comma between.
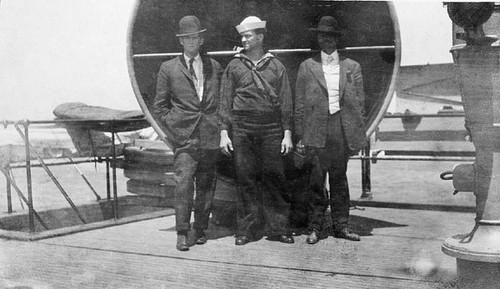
x: 311, y: 103
x: 179, y: 108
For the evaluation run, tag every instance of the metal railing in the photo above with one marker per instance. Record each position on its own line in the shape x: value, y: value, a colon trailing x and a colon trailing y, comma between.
x: 273, y: 51
x: 367, y: 156
x: 22, y: 127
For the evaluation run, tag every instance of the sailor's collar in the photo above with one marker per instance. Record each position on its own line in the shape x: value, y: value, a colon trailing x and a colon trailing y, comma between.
x: 264, y: 57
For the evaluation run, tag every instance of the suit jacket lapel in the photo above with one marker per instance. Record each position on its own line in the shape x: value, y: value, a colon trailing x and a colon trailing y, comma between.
x: 317, y: 71
x: 184, y: 69
x: 207, y: 67
x: 342, y: 75
x: 207, y: 72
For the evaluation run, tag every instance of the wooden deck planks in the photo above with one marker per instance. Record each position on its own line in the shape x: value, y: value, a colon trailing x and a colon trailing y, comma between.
x: 400, y: 249
x: 67, y: 267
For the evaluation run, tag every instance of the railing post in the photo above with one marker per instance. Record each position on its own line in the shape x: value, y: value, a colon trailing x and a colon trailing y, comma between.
x: 28, y: 177
x: 366, y: 185
x: 108, y: 181
x: 115, y: 190
x: 9, y: 191
x: 11, y: 180
x: 29, y: 147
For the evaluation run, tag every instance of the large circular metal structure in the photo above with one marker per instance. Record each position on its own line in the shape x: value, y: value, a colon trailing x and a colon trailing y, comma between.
x: 371, y: 37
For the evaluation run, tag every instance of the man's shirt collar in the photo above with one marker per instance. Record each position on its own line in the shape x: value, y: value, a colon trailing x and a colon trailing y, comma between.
x: 197, y: 58
x: 334, y: 58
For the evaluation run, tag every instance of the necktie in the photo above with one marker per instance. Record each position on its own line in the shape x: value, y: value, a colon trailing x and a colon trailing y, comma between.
x: 191, y: 69
x: 329, y: 59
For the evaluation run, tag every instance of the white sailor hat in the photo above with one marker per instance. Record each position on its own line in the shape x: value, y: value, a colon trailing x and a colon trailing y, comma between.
x: 251, y: 23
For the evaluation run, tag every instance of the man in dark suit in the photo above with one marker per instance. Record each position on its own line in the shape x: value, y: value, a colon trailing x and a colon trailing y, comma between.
x: 329, y: 122
x: 187, y: 97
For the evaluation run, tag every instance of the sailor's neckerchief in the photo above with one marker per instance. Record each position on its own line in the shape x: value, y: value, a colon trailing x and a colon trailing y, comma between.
x: 263, y: 87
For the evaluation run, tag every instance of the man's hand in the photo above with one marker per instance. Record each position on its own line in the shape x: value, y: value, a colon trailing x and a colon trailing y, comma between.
x: 225, y: 143
x: 286, y: 143
x: 301, y: 148
x: 238, y: 49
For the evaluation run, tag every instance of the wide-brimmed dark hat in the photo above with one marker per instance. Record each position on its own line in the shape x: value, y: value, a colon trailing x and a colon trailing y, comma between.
x: 327, y: 24
x: 189, y: 25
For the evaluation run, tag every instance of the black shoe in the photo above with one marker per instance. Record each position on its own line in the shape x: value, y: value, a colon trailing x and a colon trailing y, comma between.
x: 182, y: 244
x: 313, y: 238
x: 200, y: 238
x: 287, y: 239
x: 347, y: 234
x: 242, y: 240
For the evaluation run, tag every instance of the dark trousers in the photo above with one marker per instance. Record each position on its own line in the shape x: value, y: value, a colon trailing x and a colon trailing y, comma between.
x: 194, y: 168
x: 262, y: 194
x: 331, y: 159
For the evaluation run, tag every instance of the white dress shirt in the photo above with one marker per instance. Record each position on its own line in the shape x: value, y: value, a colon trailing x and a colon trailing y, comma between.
x: 198, y: 70
x: 331, y: 70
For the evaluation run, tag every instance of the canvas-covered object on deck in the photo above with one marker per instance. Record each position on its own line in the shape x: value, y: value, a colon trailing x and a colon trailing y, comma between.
x: 90, y: 138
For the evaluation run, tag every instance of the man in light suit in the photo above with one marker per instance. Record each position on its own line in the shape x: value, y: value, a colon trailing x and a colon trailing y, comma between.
x: 187, y: 97
x: 329, y: 122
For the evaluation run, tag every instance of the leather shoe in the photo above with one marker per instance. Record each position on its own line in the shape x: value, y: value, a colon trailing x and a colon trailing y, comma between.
x: 286, y: 239
x: 182, y: 244
x: 200, y: 238
x: 347, y: 234
x: 312, y: 238
x: 242, y: 240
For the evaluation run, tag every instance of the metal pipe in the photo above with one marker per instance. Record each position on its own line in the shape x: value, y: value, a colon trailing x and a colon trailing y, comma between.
x: 85, y: 179
x: 410, y: 158
x: 20, y: 194
x: 53, y: 178
x: 88, y: 121
x: 77, y: 121
x: 273, y: 51
x: 366, y: 185
x: 108, y: 181
x: 115, y: 192
x: 28, y: 173
x: 430, y: 98
x: 20, y: 198
x: 9, y: 191
x: 444, y: 115
x: 35, y: 165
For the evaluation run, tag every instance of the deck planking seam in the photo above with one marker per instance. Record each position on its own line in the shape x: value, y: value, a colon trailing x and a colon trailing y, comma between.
x: 333, y: 273
x: 395, y: 255
x: 134, y: 271
x: 398, y: 254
